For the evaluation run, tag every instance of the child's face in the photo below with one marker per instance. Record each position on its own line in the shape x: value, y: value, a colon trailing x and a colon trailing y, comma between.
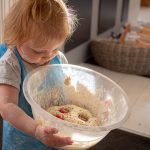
x: 35, y: 53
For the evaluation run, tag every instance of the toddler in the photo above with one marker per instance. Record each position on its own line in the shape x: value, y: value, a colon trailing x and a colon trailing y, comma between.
x: 34, y: 31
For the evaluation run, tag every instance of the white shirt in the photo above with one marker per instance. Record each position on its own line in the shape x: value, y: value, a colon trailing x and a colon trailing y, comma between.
x: 10, y: 71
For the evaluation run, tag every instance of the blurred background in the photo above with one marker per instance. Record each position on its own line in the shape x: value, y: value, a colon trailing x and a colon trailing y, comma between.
x: 97, y: 18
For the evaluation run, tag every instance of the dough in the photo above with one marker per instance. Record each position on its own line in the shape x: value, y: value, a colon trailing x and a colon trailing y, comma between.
x: 74, y: 114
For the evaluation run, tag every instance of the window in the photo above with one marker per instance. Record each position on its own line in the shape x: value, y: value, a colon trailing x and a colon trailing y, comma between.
x: 83, y: 10
x: 107, y: 15
x: 125, y: 6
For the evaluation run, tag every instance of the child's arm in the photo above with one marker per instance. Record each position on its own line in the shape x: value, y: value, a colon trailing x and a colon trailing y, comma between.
x: 12, y: 113
x: 18, y: 119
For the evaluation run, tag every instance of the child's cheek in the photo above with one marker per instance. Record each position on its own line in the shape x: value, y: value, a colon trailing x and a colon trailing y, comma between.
x: 30, y: 59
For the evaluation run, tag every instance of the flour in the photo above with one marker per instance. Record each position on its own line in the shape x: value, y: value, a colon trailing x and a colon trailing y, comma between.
x: 78, y: 95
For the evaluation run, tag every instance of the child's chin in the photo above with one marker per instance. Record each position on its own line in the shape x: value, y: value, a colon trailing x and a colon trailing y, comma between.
x: 42, y: 64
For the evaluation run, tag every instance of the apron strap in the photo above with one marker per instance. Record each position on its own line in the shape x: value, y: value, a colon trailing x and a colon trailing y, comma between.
x: 55, y: 60
x: 3, y: 49
x: 21, y: 66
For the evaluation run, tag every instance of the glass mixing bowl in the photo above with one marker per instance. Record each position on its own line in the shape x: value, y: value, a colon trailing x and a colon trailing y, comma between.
x: 63, y: 84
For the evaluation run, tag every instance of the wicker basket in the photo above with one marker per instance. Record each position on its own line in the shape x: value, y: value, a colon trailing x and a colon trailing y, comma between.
x: 124, y: 58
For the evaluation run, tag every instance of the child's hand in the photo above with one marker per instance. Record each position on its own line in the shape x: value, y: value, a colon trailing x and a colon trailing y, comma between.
x: 47, y: 135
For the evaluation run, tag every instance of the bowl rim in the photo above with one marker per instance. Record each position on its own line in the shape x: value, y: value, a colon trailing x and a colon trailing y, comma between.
x: 69, y: 124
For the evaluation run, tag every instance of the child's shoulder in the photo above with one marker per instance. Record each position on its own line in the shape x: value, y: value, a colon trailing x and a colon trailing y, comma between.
x: 10, y: 69
x: 9, y: 57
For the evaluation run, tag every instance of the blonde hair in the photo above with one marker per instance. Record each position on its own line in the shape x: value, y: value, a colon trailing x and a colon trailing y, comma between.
x: 47, y: 19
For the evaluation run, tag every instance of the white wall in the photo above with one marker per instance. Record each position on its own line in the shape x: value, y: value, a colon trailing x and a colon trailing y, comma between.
x: 4, y: 9
x: 134, y: 9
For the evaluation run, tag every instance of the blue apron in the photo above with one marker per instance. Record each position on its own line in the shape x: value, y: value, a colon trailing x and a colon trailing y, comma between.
x: 14, y: 139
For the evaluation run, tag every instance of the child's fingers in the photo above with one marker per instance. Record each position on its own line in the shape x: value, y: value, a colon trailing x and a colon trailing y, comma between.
x: 49, y: 130
x: 62, y: 141
x: 68, y: 140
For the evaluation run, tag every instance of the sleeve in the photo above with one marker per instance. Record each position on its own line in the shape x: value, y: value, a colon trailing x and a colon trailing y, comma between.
x: 10, y: 70
x: 62, y: 58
